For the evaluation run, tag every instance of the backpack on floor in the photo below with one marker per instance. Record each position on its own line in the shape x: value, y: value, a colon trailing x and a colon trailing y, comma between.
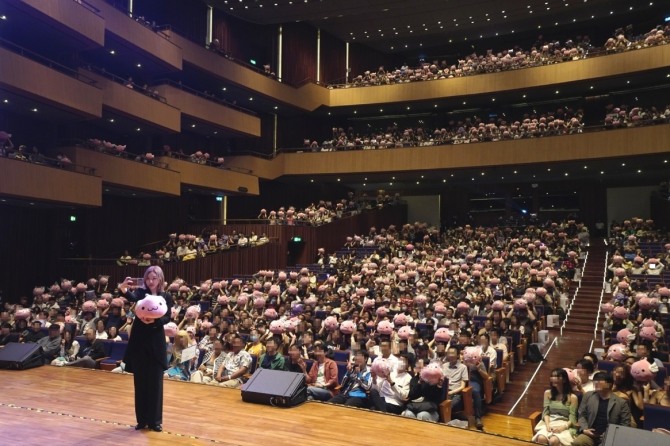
x: 534, y: 353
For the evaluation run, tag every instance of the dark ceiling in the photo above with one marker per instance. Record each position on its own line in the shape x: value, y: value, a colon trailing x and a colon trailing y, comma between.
x: 393, y: 25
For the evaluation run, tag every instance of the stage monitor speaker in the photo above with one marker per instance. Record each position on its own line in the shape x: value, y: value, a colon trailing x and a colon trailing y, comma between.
x: 17, y: 356
x: 276, y: 388
x: 625, y: 436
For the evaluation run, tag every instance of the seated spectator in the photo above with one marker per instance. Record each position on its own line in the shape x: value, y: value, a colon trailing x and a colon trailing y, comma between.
x: 87, y: 356
x: 207, y: 370
x: 356, y: 384
x: 584, y: 369
x: 424, y: 398
x: 661, y: 396
x: 598, y: 410
x: 68, y: 350
x: 457, y: 373
x: 100, y: 332
x: 390, y: 392
x: 34, y: 334
x: 51, y: 344
x: 559, y: 413
x: 295, y: 362
x: 233, y: 366
x: 6, y: 335
x: 271, y: 359
x: 322, y: 377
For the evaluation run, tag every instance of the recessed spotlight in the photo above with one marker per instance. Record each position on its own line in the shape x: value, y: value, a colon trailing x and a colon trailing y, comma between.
x: 111, y: 119
x: 623, y: 164
x: 215, y: 132
x: 566, y: 174
x: 393, y: 178
x: 138, y: 129
x: 417, y: 182
x: 3, y: 17
x: 381, y: 109
x: 6, y: 101
x: 408, y: 107
x: 390, y: 184
x: 224, y: 88
x: 639, y: 170
x: 139, y: 65
x: 493, y: 99
x: 557, y: 92
x: 444, y: 181
x: 112, y: 52
x: 549, y: 169
x: 251, y: 99
x: 311, y: 181
x: 586, y: 167
x: 276, y: 107
x: 192, y: 126
x: 602, y: 172
x: 34, y: 110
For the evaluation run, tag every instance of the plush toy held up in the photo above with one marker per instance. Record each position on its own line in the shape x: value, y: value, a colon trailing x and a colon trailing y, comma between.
x: 432, y: 374
x: 150, y: 308
x: 643, y: 371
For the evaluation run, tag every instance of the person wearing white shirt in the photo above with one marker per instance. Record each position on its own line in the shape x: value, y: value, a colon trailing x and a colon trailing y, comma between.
x: 495, y: 338
x: 488, y: 351
x: 390, y: 392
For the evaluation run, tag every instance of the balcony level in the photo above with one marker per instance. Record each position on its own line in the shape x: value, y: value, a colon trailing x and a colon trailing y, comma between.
x: 42, y: 182
x: 587, y: 146
x: 26, y: 74
x: 127, y: 173
x: 79, y: 23
x: 224, y: 181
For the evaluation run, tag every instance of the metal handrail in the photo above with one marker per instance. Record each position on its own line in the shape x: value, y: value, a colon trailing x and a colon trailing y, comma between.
x: 51, y: 162
x: 209, y: 97
x: 129, y: 156
x: 135, y: 87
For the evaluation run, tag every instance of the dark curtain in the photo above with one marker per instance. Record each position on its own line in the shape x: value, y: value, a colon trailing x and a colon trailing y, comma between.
x: 245, y: 41
x: 363, y: 58
x: 299, y: 53
x: 333, y: 59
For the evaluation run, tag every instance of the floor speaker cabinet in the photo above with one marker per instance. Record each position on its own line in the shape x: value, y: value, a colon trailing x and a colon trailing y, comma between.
x: 17, y: 356
x: 626, y: 436
x: 275, y: 388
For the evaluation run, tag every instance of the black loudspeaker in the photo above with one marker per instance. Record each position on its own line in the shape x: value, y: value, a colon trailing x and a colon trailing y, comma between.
x: 626, y: 436
x: 276, y: 388
x: 17, y: 356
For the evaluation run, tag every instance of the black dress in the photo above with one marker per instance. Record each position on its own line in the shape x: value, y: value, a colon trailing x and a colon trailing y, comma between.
x: 146, y: 359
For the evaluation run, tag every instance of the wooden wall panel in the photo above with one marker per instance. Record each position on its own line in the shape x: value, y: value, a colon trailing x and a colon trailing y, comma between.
x: 29, y: 78
x: 211, y: 112
x: 77, y: 19
x: 127, y: 173
x: 136, y: 104
x: 37, y: 182
x: 140, y: 37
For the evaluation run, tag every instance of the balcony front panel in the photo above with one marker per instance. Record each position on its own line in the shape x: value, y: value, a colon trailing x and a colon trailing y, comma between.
x: 592, y: 145
x: 211, y: 112
x: 32, y: 181
x: 40, y: 82
x: 126, y: 173
x: 129, y: 102
x: 72, y: 17
x: 139, y: 37
x: 222, y: 180
x: 307, y: 97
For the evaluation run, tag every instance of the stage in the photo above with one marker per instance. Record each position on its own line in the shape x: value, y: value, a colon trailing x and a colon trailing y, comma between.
x: 70, y: 406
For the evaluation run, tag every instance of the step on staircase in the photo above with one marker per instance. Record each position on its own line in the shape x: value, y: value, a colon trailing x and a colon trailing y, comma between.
x: 585, y: 307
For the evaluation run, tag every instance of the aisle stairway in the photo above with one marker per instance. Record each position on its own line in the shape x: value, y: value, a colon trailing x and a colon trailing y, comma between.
x: 575, y: 340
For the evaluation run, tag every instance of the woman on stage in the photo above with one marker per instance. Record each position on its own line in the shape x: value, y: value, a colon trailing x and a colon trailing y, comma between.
x: 146, y: 356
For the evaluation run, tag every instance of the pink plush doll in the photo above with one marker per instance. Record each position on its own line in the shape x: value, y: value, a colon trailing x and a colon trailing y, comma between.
x: 607, y: 308
x: 348, y: 327
x: 405, y: 332
x: 462, y: 307
x: 205, y: 326
x: 117, y: 302
x: 439, y: 308
x: 170, y: 329
x: 103, y: 304
x: 223, y: 299
x: 381, y: 367
x: 617, y: 352
x: 311, y: 301
x: 472, y: 356
x: 648, y: 330
x: 624, y: 336
x: 150, y: 308
x: 432, y: 374
x: 259, y: 302
x: 331, y: 323
x: 22, y: 313
x: 520, y: 304
x: 277, y: 327
x: 291, y: 325
x: 242, y: 300
x: 270, y: 314
x: 643, y: 371
x: 420, y: 300
x: 368, y: 303
x: 382, y: 311
x: 192, y: 312
x: 400, y: 320
x: 88, y: 307
x: 620, y: 313
x: 498, y: 305
x: 442, y: 335
x: 573, y: 377
x: 383, y: 327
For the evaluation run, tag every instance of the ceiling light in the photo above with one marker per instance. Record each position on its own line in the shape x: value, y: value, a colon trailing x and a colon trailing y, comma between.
x: 311, y: 181
x: 276, y: 107
x: 139, y: 65
x: 566, y: 174
x: 216, y: 133
x: 444, y: 181
x: 6, y: 101
x: 602, y: 172
x: 338, y: 179
x: 390, y: 184
x: 251, y: 99
x: 34, y: 110
x: 639, y: 170
x: 3, y: 17
x: 623, y: 164
x: 192, y: 126
x: 417, y: 182
x: 112, y: 52
x: 111, y: 119
x: 138, y: 129
x: 223, y: 88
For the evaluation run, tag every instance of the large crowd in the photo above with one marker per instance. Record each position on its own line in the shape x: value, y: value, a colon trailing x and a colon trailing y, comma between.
x: 377, y: 324
x: 541, y: 53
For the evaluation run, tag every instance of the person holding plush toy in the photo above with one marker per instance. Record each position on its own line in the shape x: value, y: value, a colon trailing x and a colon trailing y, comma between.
x: 146, y: 356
